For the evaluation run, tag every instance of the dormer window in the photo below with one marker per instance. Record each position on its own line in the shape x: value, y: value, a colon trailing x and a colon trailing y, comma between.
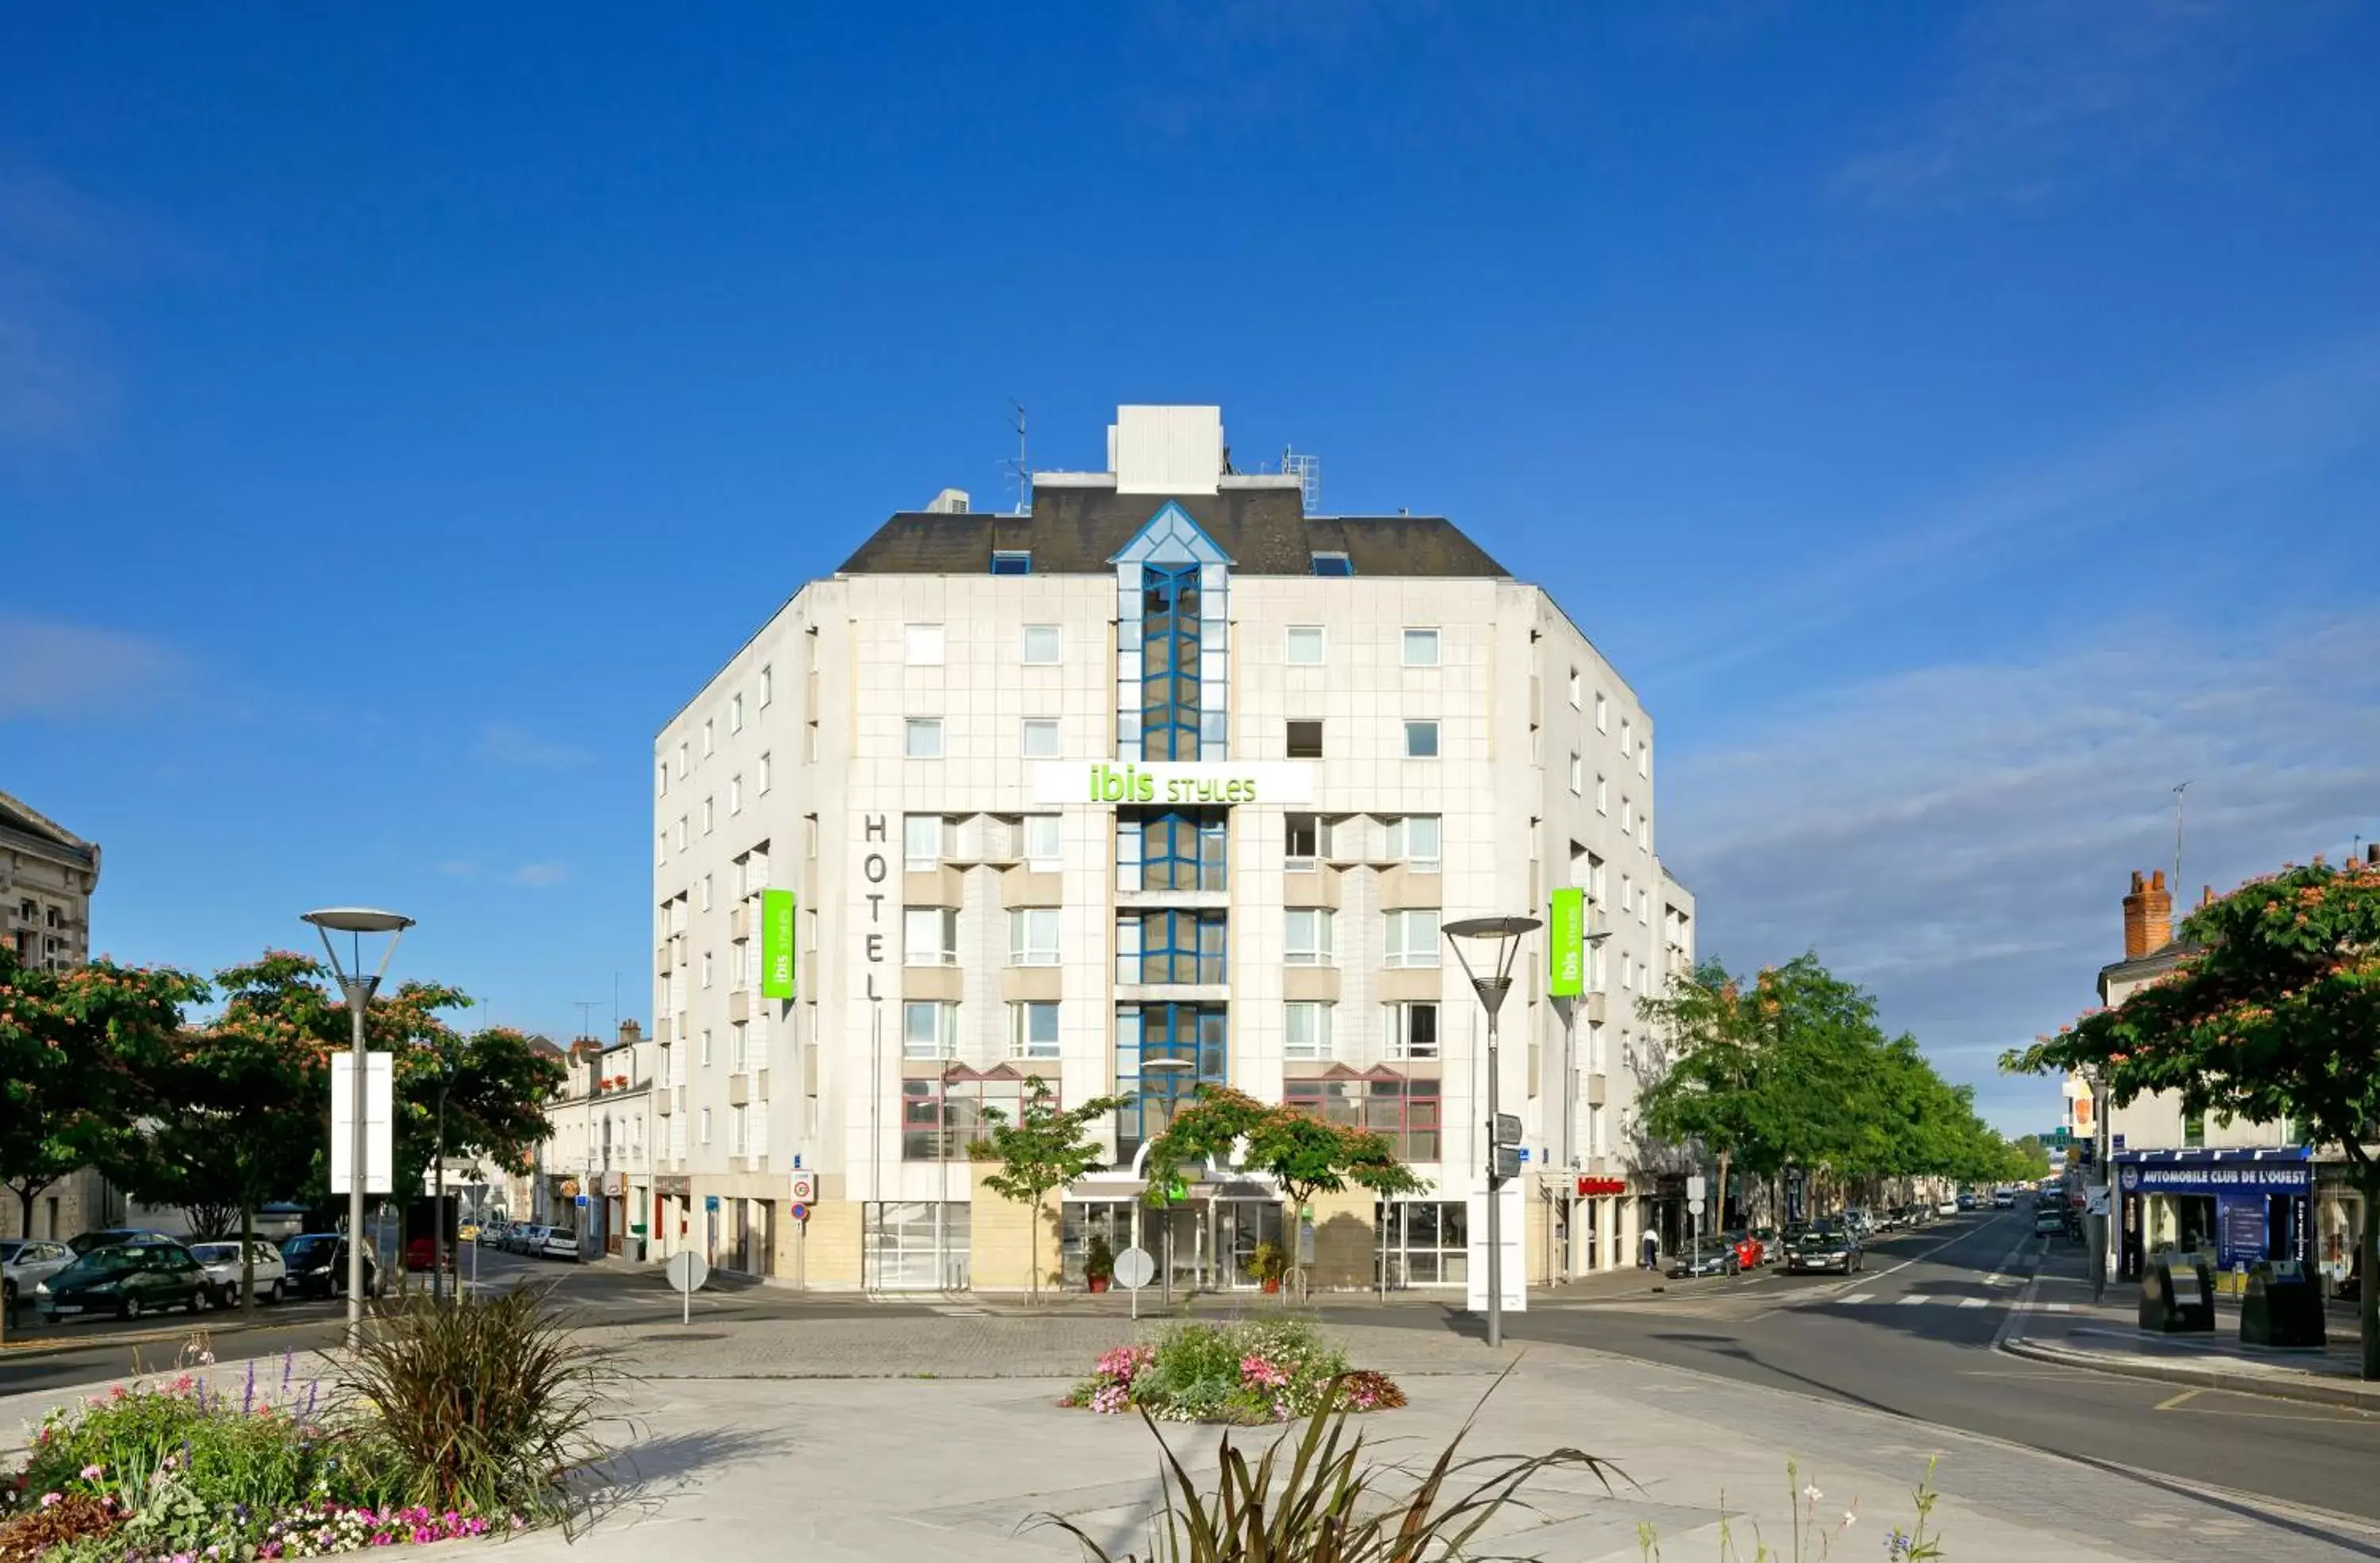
x: 1333, y: 564
x: 1011, y: 562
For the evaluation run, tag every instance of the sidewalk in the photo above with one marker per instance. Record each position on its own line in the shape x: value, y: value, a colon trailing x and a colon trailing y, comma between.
x: 2062, y: 1325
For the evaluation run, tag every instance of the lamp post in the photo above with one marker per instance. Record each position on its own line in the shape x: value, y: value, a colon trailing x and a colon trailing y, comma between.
x: 1498, y: 939
x: 446, y: 1069
x: 355, y: 922
x: 1569, y: 1086
x: 1166, y: 1066
x: 2094, y: 1225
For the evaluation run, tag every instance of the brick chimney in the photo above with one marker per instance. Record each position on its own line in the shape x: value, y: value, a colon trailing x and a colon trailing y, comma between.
x: 630, y: 1033
x: 2148, y: 917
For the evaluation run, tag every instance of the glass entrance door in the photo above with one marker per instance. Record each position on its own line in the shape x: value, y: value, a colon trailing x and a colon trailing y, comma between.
x: 1240, y: 1225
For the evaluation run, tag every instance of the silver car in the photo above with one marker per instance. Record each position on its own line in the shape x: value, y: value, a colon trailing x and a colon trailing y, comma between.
x: 25, y: 1263
x: 222, y: 1264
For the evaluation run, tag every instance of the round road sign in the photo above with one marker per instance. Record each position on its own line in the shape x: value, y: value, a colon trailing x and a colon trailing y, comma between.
x: 688, y: 1270
x: 1135, y: 1269
x: 1693, y: 1207
x: 801, y: 1212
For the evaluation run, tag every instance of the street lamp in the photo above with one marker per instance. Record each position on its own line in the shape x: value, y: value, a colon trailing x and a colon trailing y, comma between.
x: 1498, y: 940
x: 447, y: 1066
x: 1569, y: 1087
x: 355, y: 922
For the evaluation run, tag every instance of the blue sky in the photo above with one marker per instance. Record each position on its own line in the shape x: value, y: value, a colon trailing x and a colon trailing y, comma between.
x: 1961, y: 424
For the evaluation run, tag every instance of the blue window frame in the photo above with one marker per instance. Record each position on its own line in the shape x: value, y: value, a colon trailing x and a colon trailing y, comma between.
x: 1180, y: 851
x: 1333, y: 564
x: 1011, y: 562
x: 1170, y: 663
x: 1164, y: 1052
x: 1174, y: 947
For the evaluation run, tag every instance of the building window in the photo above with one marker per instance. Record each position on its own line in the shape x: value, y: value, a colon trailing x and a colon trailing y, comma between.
x: 1403, y: 1112
x: 706, y: 968
x: 1427, y: 1241
x: 1644, y: 757
x: 1011, y: 562
x: 709, y: 742
x: 1421, y: 740
x: 810, y: 743
x: 1627, y: 737
x: 1421, y: 648
x: 704, y: 1137
x: 681, y: 757
x: 1187, y: 1046
x: 1305, y: 936
x: 1602, y: 795
x: 1308, y: 643
x: 1410, y: 1031
x: 736, y: 794
x: 1333, y: 564
x: 735, y: 1131
x: 702, y: 887
x: 660, y: 779
x: 1627, y: 816
x: 1040, y: 738
x: 1602, y: 713
x: 1308, y: 842
x: 1413, y: 938
x: 923, y: 739
x: 921, y: 645
x: 1176, y: 947
x: 1033, y: 936
x: 705, y: 1058
x: 681, y: 832
x: 1182, y: 851
x: 710, y: 815
x: 929, y: 936
x: 1627, y: 970
x: 929, y: 1030
x: 1577, y: 774
x: 735, y: 713
x: 1042, y: 850
x: 921, y: 843
x: 1306, y: 1035
x: 1170, y: 664
x: 767, y: 685
x: 1574, y: 687
x: 1033, y: 1031
x: 1042, y: 646
x: 1413, y: 841
x: 1305, y: 740
x: 660, y: 849
x: 763, y: 770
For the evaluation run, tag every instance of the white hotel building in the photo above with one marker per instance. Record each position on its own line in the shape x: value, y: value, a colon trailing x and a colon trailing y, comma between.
x: 1373, y: 729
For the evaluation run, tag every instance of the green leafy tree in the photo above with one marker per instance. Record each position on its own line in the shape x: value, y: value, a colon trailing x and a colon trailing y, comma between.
x: 2035, y: 1157
x: 2275, y: 1015
x: 1302, y: 1154
x: 74, y: 1046
x: 1046, y: 1148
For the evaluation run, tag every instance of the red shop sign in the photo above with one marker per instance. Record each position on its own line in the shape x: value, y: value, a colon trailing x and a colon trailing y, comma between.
x: 1588, y: 1186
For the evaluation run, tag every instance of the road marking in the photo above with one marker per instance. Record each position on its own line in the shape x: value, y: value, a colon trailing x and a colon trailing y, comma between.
x: 1858, y: 1297
x: 1913, y: 1301
x: 2172, y: 1401
x: 1972, y: 1301
x: 2055, y: 1308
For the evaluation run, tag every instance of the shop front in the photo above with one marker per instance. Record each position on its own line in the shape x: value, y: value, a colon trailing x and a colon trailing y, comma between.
x: 2237, y: 1208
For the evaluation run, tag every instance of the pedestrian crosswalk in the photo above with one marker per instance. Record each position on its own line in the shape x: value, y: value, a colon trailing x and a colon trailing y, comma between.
x: 1921, y: 1299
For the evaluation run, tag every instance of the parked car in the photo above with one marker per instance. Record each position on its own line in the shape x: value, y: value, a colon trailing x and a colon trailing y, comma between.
x: 526, y: 1238
x: 127, y: 1279
x: 560, y: 1242
x: 316, y: 1265
x: 2003, y: 1199
x: 1947, y: 1207
x: 2048, y: 1220
x: 25, y: 1263
x: 1966, y: 1201
x: 1825, y: 1245
x: 114, y: 1236
x: 1771, y: 1244
x: 488, y: 1234
x: 222, y: 1263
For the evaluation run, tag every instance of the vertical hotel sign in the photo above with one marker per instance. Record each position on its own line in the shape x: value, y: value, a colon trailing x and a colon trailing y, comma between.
x: 1566, y: 945
x: 776, y: 944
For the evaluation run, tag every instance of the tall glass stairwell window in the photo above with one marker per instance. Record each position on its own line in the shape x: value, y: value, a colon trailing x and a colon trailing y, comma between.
x: 1164, y: 1052
x: 1181, y: 850
x: 1169, y: 662
x: 1172, y: 628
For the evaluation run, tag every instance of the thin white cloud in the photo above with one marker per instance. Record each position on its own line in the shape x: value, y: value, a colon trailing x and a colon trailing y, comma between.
x: 535, y: 874
x: 1957, y: 839
x: 457, y: 869
x: 57, y: 385
x: 516, y: 748
x: 53, y: 670
x: 2045, y: 99
x: 2299, y: 417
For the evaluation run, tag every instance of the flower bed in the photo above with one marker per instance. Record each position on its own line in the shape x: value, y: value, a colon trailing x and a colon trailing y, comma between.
x: 1269, y: 1371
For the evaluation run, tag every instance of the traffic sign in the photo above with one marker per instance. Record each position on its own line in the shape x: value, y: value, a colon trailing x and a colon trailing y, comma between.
x: 1135, y: 1269
x: 801, y: 1212
x: 1507, y: 1129
x: 1696, y: 1187
x: 687, y: 1270
x: 1506, y: 1162
x: 581, y: 1202
x: 1694, y: 1206
x: 802, y: 1187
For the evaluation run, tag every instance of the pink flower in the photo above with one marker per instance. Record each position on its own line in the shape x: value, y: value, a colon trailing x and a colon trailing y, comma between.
x: 92, y: 1473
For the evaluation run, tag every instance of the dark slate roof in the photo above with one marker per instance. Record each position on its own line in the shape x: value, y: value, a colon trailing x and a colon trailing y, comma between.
x: 1076, y: 532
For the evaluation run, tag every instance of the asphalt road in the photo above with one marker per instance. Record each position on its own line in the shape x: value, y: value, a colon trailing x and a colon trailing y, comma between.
x: 1913, y: 1335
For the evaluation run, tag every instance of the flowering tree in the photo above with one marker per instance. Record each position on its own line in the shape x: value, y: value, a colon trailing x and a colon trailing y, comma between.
x: 2276, y: 1014
x: 74, y: 1046
x: 1304, y: 1154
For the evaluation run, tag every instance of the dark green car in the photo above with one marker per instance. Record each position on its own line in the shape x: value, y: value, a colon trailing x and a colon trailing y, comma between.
x: 126, y: 1280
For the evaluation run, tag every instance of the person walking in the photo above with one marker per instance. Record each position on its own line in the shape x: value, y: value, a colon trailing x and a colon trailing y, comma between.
x: 1650, y: 1250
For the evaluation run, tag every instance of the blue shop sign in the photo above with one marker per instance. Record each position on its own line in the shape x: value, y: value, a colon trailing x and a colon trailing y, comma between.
x: 2205, y: 1177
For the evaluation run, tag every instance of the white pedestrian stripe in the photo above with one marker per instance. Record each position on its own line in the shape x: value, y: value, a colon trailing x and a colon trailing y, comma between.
x: 1858, y: 1297
x: 1913, y: 1301
x: 1971, y: 1301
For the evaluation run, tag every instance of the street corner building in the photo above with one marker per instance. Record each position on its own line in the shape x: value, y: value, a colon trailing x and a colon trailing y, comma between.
x: 1165, y: 782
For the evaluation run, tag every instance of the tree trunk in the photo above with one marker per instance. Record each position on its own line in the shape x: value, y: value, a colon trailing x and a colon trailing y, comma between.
x: 1032, y: 1248
x: 2368, y: 1307
x: 247, y: 1262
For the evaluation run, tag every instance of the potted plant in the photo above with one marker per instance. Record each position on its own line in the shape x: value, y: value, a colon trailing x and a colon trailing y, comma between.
x: 1100, y: 1264
x: 1268, y: 1263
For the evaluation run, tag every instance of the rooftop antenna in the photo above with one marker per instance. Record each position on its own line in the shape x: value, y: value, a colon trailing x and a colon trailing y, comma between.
x: 1021, y: 471
x: 1307, y: 471
x: 585, y: 1008
x: 2184, y: 787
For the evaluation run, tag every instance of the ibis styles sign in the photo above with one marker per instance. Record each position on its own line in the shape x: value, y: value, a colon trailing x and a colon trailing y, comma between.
x: 1107, y: 784
x: 776, y: 944
x: 1566, y: 945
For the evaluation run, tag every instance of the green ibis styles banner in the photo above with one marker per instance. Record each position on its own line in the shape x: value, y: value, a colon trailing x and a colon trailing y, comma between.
x: 1566, y: 945
x: 776, y: 944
